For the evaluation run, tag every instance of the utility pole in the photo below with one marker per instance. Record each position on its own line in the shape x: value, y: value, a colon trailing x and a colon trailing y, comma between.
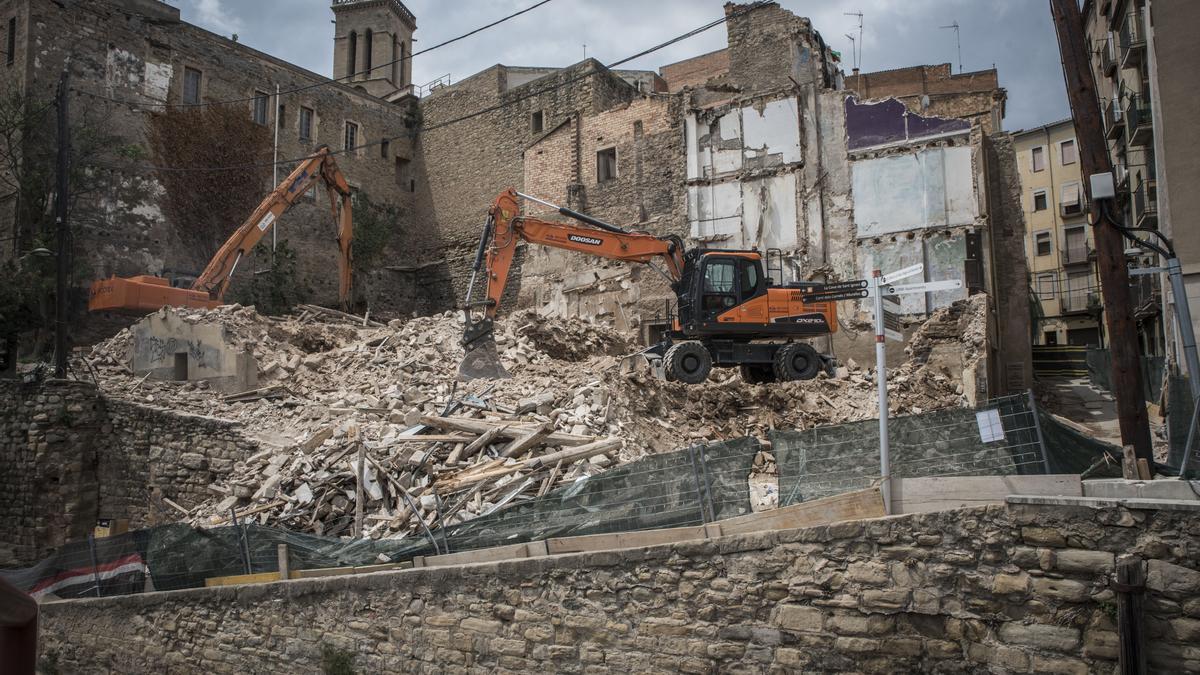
x: 1110, y: 244
x: 62, y: 232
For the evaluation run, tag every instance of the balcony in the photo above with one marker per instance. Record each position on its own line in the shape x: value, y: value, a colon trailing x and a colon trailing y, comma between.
x: 1145, y: 204
x: 1114, y: 120
x: 1077, y: 255
x: 1108, y: 56
x: 1138, y: 122
x: 1080, y: 301
x: 1144, y: 295
x: 1133, y: 41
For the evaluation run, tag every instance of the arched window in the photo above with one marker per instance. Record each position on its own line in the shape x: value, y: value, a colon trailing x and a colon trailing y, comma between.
x: 401, y: 79
x: 367, y: 56
x: 395, y: 62
x: 352, y: 62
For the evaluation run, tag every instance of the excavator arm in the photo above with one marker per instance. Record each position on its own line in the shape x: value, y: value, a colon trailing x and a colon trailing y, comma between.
x: 319, y: 167
x: 142, y: 294
x: 506, y: 227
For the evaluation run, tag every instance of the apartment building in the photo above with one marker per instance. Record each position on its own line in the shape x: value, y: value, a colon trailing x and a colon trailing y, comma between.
x: 1058, y: 241
x: 1144, y: 56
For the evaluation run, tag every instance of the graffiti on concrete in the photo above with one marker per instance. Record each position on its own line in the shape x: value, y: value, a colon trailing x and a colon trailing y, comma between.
x: 151, y: 349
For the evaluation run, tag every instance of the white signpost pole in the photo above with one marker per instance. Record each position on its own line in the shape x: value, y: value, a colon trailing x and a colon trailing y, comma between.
x: 885, y: 462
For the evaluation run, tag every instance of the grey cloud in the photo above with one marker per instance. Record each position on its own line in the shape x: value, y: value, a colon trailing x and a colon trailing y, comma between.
x: 1015, y: 35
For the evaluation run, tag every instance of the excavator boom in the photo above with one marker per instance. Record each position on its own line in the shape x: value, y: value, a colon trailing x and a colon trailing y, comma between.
x: 506, y: 227
x: 142, y: 294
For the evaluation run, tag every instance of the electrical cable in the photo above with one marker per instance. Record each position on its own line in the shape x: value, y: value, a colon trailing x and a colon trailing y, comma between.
x: 484, y: 111
x: 322, y: 83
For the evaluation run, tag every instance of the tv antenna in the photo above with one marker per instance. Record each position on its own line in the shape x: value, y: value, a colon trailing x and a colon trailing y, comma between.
x: 859, y: 43
x: 957, y: 41
x: 853, y: 53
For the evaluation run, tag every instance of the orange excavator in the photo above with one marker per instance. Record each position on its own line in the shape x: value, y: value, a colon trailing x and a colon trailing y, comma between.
x: 730, y: 313
x: 144, y: 294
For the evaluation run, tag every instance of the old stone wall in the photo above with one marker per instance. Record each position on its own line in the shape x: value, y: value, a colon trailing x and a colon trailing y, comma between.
x: 1022, y: 588
x: 474, y: 139
x: 128, y: 63
x: 69, y: 456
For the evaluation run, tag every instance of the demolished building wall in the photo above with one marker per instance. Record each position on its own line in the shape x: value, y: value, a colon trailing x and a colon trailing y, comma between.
x: 128, y: 65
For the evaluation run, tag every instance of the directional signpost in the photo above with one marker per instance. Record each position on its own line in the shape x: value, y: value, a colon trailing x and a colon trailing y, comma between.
x: 884, y: 290
x: 841, y: 290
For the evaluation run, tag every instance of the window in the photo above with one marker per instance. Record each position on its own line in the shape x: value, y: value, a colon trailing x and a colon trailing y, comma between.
x: 1039, y: 159
x: 260, y: 108
x: 606, y: 165
x: 1042, y: 241
x: 367, y: 56
x: 306, y: 124
x: 402, y: 178
x: 749, y: 279
x: 718, y: 277
x: 1039, y: 201
x: 281, y: 115
x: 351, y: 136
x: 535, y: 122
x: 384, y: 146
x: 1051, y: 338
x: 352, y: 56
x: 1047, y: 286
x: 1070, y: 200
x: 191, y: 85
x: 1068, y: 153
x: 11, y: 52
x: 395, y: 63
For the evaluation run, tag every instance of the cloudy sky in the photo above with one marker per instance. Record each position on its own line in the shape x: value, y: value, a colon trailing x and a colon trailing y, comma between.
x: 1016, y: 36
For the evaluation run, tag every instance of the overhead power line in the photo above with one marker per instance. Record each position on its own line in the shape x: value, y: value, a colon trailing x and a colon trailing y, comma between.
x: 323, y: 83
x: 484, y: 111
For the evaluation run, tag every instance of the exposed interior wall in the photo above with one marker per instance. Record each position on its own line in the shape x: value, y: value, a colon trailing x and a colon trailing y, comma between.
x: 1017, y: 588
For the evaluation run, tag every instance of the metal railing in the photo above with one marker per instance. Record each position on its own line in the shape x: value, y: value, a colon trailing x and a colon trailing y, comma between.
x: 1145, y: 203
x: 1138, y: 119
x: 1079, y: 300
x: 1076, y: 255
x: 1108, y: 55
x: 1114, y: 119
x: 1133, y: 40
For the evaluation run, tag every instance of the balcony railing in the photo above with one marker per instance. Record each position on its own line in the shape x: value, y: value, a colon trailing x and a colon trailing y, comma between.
x: 1081, y: 300
x: 1114, y: 119
x: 1108, y: 56
x: 1138, y: 121
x: 1144, y: 291
x: 1133, y: 40
x: 1145, y: 203
x: 1077, y: 255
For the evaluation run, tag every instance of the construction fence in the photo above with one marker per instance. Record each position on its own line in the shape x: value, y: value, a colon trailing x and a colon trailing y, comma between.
x: 688, y: 487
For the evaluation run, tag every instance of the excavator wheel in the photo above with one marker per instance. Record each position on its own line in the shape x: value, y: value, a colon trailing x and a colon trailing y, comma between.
x: 797, y: 361
x: 688, y: 362
x: 757, y: 373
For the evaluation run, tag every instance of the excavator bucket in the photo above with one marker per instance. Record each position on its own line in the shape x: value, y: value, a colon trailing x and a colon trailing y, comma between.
x: 481, y: 360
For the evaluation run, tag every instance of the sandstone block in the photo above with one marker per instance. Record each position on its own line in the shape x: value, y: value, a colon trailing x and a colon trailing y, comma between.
x: 1102, y: 644
x: 1043, y: 636
x: 1173, y: 580
x: 1079, y: 560
x: 890, y: 600
x: 799, y: 618
x: 868, y: 572
x: 1003, y: 584
x: 1043, y: 536
x: 480, y: 625
x: 856, y: 645
x: 1062, y: 589
x: 1042, y: 664
x: 795, y: 658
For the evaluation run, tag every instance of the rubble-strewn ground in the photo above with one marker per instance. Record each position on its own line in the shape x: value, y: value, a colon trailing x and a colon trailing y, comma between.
x: 328, y: 383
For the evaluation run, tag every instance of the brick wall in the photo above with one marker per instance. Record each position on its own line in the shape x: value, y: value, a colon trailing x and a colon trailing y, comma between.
x: 975, y: 95
x: 1023, y: 588
x: 696, y: 70
x: 69, y: 457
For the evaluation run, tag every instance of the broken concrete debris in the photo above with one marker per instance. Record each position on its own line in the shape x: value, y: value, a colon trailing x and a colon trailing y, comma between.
x: 332, y: 390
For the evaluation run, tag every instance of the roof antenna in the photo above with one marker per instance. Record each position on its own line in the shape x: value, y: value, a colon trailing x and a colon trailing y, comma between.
x: 857, y: 56
x: 853, y: 54
x: 958, y: 41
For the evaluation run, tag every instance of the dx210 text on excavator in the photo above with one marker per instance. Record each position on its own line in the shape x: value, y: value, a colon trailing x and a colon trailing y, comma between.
x: 730, y: 313
x: 146, y: 293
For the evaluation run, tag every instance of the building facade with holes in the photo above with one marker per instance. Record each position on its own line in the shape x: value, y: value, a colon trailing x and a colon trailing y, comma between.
x: 1143, y: 58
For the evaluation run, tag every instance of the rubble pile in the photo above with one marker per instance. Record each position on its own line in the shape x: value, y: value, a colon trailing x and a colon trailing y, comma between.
x: 343, y: 403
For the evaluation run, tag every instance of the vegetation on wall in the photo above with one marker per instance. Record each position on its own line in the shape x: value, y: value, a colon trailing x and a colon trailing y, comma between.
x: 374, y: 227
x: 206, y: 206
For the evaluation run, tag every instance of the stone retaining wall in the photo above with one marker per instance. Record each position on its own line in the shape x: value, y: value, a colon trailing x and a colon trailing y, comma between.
x: 69, y: 456
x: 1015, y: 588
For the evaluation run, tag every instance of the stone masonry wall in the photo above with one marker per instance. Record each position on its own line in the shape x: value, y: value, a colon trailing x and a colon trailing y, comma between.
x: 69, y: 456
x: 128, y: 58
x: 999, y: 589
